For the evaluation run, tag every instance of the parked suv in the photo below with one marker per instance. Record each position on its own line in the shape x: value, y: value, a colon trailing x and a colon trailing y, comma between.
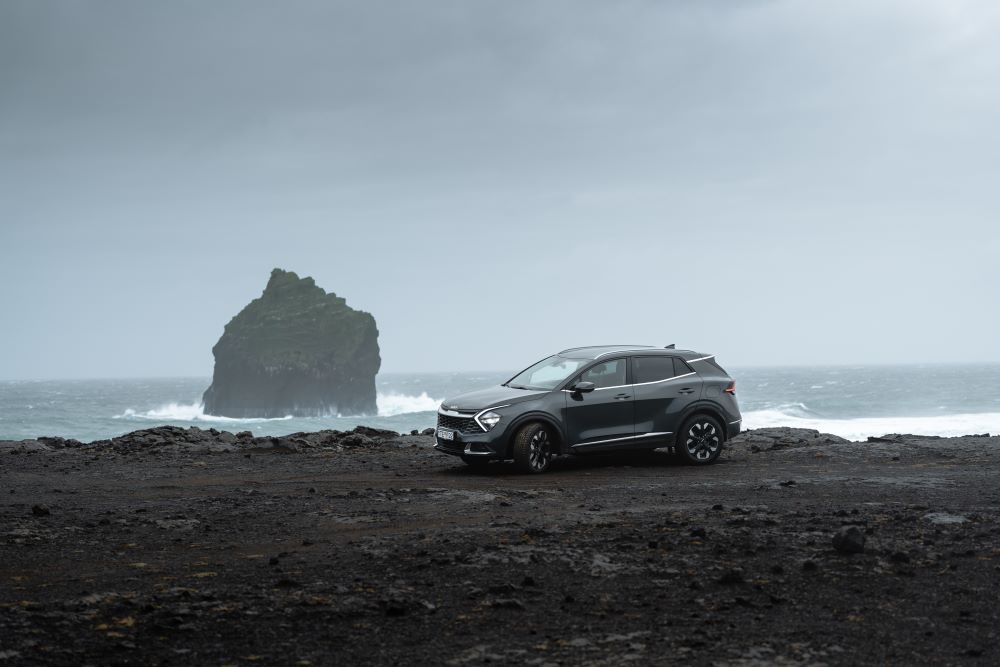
x: 596, y: 399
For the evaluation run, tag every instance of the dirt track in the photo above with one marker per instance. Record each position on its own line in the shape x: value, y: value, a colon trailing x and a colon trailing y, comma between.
x: 396, y: 554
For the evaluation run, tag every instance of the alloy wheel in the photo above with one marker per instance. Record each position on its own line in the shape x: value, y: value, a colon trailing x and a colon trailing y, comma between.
x: 539, y: 450
x: 703, y: 440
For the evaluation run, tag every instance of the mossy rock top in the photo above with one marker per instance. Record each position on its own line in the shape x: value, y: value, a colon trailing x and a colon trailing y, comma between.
x: 295, y: 350
x: 295, y: 323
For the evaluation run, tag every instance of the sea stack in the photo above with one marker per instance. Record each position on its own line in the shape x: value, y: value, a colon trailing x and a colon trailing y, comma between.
x: 296, y: 350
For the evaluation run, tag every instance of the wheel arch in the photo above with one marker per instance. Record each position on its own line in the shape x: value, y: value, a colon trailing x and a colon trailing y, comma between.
x: 528, y: 418
x: 703, y: 408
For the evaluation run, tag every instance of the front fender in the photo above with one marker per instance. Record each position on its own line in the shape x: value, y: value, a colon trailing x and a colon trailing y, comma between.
x: 533, y: 416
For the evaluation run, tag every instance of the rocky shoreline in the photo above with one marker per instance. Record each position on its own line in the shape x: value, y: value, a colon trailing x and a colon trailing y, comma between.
x: 162, y: 439
x: 191, y: 546
x: 194, y: 440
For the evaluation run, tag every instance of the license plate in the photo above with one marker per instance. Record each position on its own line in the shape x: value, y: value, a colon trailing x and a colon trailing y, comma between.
x: 445, y: 434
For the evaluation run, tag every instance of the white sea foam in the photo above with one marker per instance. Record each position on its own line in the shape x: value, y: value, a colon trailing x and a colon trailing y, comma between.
x: 391, y: 404
x: 185, y: 412
x: 861, y: 428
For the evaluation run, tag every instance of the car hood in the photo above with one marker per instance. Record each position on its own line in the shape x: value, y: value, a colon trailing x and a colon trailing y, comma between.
x: 490, y: 397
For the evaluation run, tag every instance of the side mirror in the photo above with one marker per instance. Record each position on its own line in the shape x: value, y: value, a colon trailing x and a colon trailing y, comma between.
x: 583, y: 387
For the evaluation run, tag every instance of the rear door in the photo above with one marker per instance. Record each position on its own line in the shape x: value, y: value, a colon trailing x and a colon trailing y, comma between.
x: 664, y: 387
x: 603, y: 417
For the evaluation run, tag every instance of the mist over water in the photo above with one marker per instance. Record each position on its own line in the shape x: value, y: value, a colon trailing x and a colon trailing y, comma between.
x: 853, y: 402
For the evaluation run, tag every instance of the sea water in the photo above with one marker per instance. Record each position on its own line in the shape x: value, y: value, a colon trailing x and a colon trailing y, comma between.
x: 851, y: 401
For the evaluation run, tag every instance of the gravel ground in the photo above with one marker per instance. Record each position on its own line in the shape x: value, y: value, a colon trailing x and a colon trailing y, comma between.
x: 202, y: 547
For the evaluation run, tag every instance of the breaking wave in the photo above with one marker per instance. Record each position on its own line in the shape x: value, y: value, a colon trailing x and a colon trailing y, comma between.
x: 392, y: 404
x: 185, y: 412
x: 389, y: 405
x: 860, y: 428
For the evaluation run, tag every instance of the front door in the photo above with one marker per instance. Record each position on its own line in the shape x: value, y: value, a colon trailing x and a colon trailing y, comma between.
x: 603, y: 418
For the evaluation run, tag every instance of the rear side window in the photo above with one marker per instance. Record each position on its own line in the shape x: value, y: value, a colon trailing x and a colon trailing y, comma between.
x: 652, y: 369
x: 681, y: 368
x: 715, y: 363
x: 607, y: 374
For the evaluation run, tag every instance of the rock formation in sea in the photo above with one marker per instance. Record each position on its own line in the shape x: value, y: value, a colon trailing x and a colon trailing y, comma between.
x: 295, y: 350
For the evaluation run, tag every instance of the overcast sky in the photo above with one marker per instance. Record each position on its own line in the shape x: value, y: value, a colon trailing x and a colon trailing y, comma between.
x: 783, y: 182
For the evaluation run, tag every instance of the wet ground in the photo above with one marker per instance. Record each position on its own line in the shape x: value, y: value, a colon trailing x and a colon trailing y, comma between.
x: 381, y: 551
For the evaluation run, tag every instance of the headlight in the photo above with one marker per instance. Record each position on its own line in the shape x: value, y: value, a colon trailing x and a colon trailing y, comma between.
x: 489, y: 420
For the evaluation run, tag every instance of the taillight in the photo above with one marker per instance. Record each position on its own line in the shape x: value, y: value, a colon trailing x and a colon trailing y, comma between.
x: 731, y: 389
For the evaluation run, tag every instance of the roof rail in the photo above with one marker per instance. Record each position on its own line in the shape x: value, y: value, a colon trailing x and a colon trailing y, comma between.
x: 587, y: 347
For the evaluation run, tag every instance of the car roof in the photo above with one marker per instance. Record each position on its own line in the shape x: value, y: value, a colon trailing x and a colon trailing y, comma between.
x: 597, y: 351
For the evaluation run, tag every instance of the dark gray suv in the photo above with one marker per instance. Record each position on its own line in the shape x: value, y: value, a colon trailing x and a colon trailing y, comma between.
x: 596, y: 399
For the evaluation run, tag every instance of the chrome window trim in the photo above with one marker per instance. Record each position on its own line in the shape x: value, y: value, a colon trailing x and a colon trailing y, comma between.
x: 617, y: 386
x: 711, y: 356
x: 638, y: 384
x: 628, y: 437
x: 676, y: 377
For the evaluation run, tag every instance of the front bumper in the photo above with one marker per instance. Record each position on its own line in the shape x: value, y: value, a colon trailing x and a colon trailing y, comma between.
x: 457, y: 449
x: 483, y: 444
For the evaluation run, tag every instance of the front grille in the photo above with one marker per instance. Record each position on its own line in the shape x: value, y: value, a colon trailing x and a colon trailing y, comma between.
x: 460, y: 424
x: 451, y: 446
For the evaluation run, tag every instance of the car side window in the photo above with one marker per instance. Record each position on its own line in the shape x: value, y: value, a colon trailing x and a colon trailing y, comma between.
x: 681, y: 368
x: 609, y: 373
x: 652, y: 369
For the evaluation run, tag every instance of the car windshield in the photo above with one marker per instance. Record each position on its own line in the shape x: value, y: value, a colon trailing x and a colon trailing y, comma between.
x: 547, y: 373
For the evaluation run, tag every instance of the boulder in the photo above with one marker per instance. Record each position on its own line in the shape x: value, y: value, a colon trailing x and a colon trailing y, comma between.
x: 296, y: 350
x: 849, y: 540
x: 781, y: 437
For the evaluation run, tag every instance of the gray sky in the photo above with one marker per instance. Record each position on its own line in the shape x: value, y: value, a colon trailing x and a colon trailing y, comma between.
x: 778, y: 182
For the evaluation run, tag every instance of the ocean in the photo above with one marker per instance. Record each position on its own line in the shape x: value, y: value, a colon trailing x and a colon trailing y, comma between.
x: 851, y: 401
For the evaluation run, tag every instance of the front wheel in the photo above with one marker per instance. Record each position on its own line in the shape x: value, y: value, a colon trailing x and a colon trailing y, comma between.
x: 700, y: 440
x: 533, y: 448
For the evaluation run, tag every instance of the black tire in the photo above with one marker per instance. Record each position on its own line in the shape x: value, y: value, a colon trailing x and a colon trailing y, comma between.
x: 700, y: 440
x: 533, y: 448
x: 475, y: 461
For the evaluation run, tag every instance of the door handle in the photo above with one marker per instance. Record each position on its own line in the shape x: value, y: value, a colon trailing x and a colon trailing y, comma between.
x: 622, y: 397
x: 686, y: 390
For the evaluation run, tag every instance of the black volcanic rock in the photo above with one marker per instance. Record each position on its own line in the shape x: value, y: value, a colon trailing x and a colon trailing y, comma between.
x: 295, y: 350
x: 780, y: 437
x: 849, y: 540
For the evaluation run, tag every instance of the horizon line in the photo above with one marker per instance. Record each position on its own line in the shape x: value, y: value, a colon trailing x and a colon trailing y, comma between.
x: 496, y: 371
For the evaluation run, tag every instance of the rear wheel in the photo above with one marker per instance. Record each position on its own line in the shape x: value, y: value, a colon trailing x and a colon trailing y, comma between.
x: 533, y: 448
x: 700, y: 440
